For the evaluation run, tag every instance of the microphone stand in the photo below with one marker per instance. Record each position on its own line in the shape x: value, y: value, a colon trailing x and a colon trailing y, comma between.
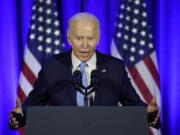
x: 86, y: 93
x: 86, y: 98
x: 77, y: 82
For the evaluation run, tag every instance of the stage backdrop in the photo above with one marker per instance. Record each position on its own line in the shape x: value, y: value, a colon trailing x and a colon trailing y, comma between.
x: 163, y: 16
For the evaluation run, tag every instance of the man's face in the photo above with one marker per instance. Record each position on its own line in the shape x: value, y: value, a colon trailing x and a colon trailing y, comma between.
x: 83, y: 37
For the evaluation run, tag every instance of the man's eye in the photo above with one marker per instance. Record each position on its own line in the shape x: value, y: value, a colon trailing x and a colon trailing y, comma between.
x: 78, y: 38
x: 90, y: 38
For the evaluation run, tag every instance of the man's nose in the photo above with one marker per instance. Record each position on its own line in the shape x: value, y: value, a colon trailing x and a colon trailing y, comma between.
x: 85, y: 43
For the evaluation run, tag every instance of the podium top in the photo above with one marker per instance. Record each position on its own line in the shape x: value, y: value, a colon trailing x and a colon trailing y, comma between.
x: 86, y: 121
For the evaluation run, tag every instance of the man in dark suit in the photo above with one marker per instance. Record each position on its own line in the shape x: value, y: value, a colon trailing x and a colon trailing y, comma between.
x: 55, y: 83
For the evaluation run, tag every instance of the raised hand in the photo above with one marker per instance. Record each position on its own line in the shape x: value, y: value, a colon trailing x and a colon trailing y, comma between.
x: 16, y: 116
x: 153, y: 114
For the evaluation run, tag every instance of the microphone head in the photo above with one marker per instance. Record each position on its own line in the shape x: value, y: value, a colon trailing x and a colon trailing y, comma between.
x: 95, y: 79
x: 77, y: 79
x: 94, y: 74
x: 77, y: 74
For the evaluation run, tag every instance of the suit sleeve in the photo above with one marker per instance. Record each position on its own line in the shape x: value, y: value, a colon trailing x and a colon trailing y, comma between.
x: 38, y: 96
x: 129, y: 97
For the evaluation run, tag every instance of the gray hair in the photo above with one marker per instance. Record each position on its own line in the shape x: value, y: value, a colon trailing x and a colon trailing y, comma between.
x: 84, y: 16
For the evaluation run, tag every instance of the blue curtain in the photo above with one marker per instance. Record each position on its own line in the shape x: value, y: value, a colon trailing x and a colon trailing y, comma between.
x: 163, y: 16
x: 168, y: 45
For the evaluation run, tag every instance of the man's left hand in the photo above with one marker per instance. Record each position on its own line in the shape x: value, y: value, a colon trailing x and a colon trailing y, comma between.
x: 154, y: 112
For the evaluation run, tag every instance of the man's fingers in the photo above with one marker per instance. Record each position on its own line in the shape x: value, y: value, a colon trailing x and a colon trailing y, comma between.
x: 152, y: 106
x: 17, y: 126
x: 14, y: 120
x: 153, y: 101
x: 156, y: 118
x: 18, y: 108
x: 15, y: 115
x: 14, y: 123
x: 18, y: 103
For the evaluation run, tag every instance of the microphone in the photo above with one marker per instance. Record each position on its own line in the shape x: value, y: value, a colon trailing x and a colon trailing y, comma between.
x: 95, y: 79
x: 77, y: 81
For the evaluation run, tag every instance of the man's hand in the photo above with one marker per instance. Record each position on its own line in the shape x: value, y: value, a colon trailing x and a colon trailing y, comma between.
x: 153, y: 113
x: 16, y: 116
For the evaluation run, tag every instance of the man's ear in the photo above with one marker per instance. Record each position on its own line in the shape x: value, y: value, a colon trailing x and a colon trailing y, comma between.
x: 98, y: 40
x: 69, y: 38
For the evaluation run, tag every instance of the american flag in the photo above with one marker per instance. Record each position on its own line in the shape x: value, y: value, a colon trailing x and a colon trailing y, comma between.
x: 44, y: 40
x: 133, y: 42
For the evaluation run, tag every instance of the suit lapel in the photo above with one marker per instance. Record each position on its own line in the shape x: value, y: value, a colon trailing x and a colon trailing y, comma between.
x: 70, y: 90
x: 101, y: 67
x: 66, y: 60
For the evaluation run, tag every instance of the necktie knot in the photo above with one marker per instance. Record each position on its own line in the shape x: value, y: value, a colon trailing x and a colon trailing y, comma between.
x: 82, y: 66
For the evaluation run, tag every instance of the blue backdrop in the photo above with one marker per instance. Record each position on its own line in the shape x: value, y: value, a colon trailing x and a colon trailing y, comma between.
x: 163, y: 16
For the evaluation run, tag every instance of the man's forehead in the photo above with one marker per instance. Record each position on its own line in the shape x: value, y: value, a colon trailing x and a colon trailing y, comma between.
x: 83, y: 23
x: 83, y: 26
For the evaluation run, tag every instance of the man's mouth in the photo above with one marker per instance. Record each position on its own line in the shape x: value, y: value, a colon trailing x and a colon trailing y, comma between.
x: 85, y: 52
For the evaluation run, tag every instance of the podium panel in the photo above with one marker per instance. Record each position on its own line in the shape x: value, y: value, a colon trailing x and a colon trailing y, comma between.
x: 86, y: 121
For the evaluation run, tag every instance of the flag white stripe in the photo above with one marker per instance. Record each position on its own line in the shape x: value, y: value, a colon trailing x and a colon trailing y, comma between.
x: 142, y: 70
x: 25, y: 85
x: 148, y: 79
x: 32, y: 63
x: 155, y: 131
x: 115, y: 53
x: 136, y: 88
x: 154, y: 59
x: 114, y: 50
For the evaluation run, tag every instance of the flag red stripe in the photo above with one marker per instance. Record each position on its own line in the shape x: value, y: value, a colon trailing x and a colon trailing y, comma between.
x: 21, y: 131
x: 140, y: 84
x: 28, y: 74
x: 21, y: 94
x: 153, y: 70
x: 150, y: 132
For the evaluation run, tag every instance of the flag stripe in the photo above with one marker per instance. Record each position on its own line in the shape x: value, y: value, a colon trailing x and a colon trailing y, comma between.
x: 44, y: 40
x: 24, y: 84
x: 116, y: 54
x: 133, y: 41
x: 141, y: 85
x: 136, y: 88
x: 21, y: 94
x: 146, y: 76
x: 21, y: 131
x: 155, y: 131
x: 154, y: 60
x: 28, y: 74
x: 153, y: 70
x: 150, y: 132
x: 114, y: 50
x: 31, y: 61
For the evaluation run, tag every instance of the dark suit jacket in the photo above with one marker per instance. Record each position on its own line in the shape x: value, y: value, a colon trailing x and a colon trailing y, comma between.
x: 54, y: 84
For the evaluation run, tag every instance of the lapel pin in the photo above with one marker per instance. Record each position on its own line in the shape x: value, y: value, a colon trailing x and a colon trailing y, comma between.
x: 104, y: 70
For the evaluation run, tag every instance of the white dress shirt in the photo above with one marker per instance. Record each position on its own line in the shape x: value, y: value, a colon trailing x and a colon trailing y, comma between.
x: 91, y: 66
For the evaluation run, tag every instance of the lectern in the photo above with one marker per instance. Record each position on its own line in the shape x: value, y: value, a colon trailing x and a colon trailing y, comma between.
x: 86, y: 121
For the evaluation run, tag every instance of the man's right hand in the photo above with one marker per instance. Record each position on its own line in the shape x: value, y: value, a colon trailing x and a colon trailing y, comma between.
x: 16, y: 116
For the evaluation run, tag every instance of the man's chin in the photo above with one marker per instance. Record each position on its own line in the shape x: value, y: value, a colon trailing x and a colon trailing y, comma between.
x: 84, y: 58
